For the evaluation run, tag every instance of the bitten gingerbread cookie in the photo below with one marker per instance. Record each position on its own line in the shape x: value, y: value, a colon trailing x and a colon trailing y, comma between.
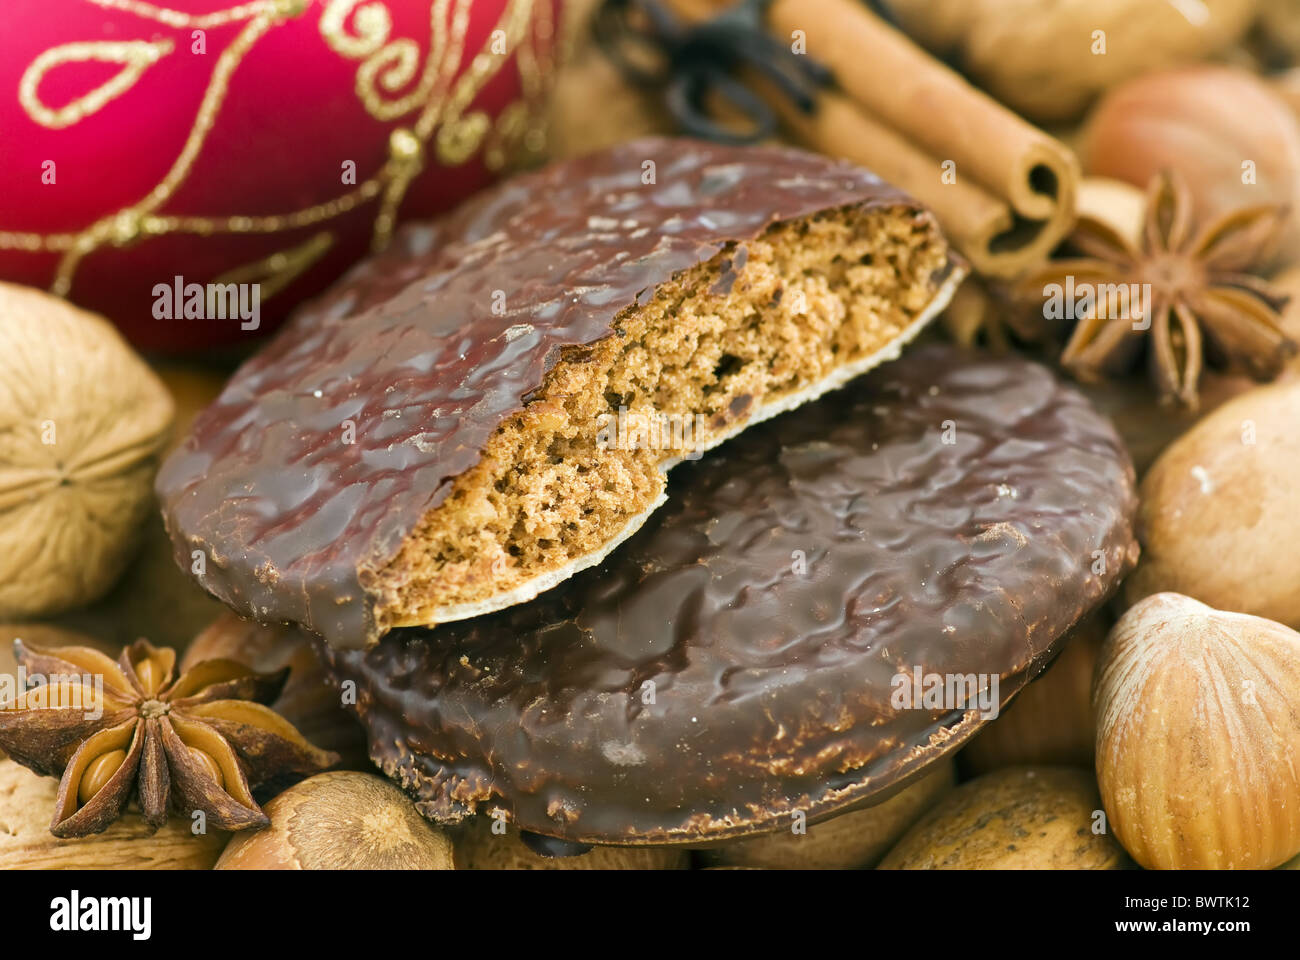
x: 493, y: 405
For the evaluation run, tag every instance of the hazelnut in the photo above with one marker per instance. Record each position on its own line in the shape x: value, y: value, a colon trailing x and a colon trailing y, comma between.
x: 479, y: 847
x: 854, y: 839
x: 1206, y: 122
x: 26, y: 800
x: 83, y: 423
x: 1218, y: 519
x: 1018, y: 818
x: 341, y: 820
x: 1198, y: 736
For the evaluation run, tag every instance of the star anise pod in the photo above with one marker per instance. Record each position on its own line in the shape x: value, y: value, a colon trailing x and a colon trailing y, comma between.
x: 1195, y: 293
x: 114, y: 729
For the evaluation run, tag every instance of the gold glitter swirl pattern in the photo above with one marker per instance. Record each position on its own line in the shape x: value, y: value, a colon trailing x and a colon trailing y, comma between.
x: 372, y: 24
x: 355, y: 29
x: 460, y: 136
x: 135, y: 56
x: 202, y: 21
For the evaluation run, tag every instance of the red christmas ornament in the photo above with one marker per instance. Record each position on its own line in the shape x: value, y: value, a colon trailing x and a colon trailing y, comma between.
x: 264, y: 142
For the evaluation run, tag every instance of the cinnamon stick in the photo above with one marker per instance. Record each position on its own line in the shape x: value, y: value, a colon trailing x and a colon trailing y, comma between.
x: 1008, y: 198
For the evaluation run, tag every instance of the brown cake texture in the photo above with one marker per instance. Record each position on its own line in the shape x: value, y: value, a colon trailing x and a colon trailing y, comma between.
x: 549, y: 490
x: 521, y: 376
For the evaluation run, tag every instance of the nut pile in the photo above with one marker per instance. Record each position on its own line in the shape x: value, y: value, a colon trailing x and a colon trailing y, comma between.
x: 1165, y: 734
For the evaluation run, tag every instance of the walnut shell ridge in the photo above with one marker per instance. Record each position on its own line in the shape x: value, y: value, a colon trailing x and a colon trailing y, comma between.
x: 83, y: 422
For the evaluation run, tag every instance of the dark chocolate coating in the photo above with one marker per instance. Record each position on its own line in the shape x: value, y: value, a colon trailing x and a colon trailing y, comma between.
x: 772, y: 685
x: 292, y: 519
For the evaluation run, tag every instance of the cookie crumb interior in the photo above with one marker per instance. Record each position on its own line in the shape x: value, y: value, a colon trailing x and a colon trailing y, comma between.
x: 555, y: 484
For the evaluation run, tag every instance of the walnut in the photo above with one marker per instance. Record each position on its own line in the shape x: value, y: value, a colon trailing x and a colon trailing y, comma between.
x: 82, y: 425
x: 1044, y: 57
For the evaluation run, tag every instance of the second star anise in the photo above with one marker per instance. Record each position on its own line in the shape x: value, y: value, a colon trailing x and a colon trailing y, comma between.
x: 1203, y: 299
x: 114, y: 729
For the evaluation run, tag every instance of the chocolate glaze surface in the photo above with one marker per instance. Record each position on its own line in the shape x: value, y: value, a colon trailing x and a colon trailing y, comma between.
x: 409, y: 351
x: 734, y: 660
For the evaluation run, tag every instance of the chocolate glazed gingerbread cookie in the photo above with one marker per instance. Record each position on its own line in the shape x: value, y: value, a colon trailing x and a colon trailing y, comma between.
x: 740, y: 657
x: 424, y: 444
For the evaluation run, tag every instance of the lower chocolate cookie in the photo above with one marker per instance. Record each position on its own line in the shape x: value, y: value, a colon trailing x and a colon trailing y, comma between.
x: 822, y: 609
